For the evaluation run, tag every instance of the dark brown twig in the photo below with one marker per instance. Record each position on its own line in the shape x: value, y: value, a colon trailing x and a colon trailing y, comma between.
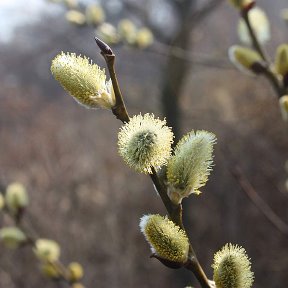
x: 119, y: 110
x: 258, y: 201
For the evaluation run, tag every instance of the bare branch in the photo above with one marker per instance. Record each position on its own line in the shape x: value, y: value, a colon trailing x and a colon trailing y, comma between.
x: 258, y: 201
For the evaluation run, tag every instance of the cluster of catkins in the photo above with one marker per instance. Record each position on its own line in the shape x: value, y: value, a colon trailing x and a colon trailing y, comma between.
x: 249, y: 60
x: 13, y: 203
x: 125, y: 32
x: 145, y: 144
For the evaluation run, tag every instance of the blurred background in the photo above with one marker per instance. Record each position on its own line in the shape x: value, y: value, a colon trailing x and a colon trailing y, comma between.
x: 84, y: 196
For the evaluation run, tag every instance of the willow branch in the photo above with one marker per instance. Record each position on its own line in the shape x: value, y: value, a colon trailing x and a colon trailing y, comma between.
x: 174, y: 211
x: 31, y: 241
x: 194, y: 266
x: 183, y: 54
x: 119, y: 110
x: 258, y: 201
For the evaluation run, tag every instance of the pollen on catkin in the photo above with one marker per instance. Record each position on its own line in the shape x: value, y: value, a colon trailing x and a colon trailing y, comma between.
x: 232, y: 268
x: 85, y: 81
x: 188, y: 169
x: 145, y: 142
x: 166, y: 240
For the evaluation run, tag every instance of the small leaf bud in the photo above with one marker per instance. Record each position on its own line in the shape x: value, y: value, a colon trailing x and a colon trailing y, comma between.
x: 240, y: 4
x: 144, y: 38
x: 95, y: 14
x: 168, y: 241
x: 50, y: 271
x: 145, y: 142
x: 188, y: 169
x: 2, y: 201
x: 283, y: 102
x: 47, y: 250
x: 284, y: 14
x: 245, y: 59
x: 16, y: 198
x: 77, y: 285
x: 127, y: 30
x: 12, y: 237
x: 260, y: 25
x: 107, y: 33
x: 71, y: 4
x: 85, y: 81
x: 75, y: 272
x: 75, y: 17
x: 232, y: 268
x: 281, y: 61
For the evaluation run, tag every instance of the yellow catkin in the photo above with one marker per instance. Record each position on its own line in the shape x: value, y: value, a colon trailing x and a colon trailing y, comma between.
x: 188, y: 169
x: 243, y: 58
x: 47, y: 250
x: 145, y: 142
x: 281, y: 61
x: 260, y: 25
x: 232, y: 268
x: 85, y: 81
x: 12, y: 237
x: 76, y: 271
x: 16, y: 197
x: 167, y: 240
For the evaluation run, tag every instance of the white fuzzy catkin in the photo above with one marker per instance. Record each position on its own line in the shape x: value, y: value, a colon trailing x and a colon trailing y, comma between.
x: 166, y: 240
x: 145, y: 142
x: 232, y: 268
x: 188, y: 169
x: 85, y: 81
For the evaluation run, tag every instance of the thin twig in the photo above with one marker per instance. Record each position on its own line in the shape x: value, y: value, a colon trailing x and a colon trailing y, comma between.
x: 235, y: 170
x: 258, y: 201
x: 119, y: 110
x: 195, y: 58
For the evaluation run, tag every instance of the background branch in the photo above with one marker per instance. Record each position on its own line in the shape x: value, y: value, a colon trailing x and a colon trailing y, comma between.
x: 258, y: 201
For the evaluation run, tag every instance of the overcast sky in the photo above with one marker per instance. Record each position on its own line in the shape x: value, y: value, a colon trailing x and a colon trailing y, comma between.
x: 14, y: 13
